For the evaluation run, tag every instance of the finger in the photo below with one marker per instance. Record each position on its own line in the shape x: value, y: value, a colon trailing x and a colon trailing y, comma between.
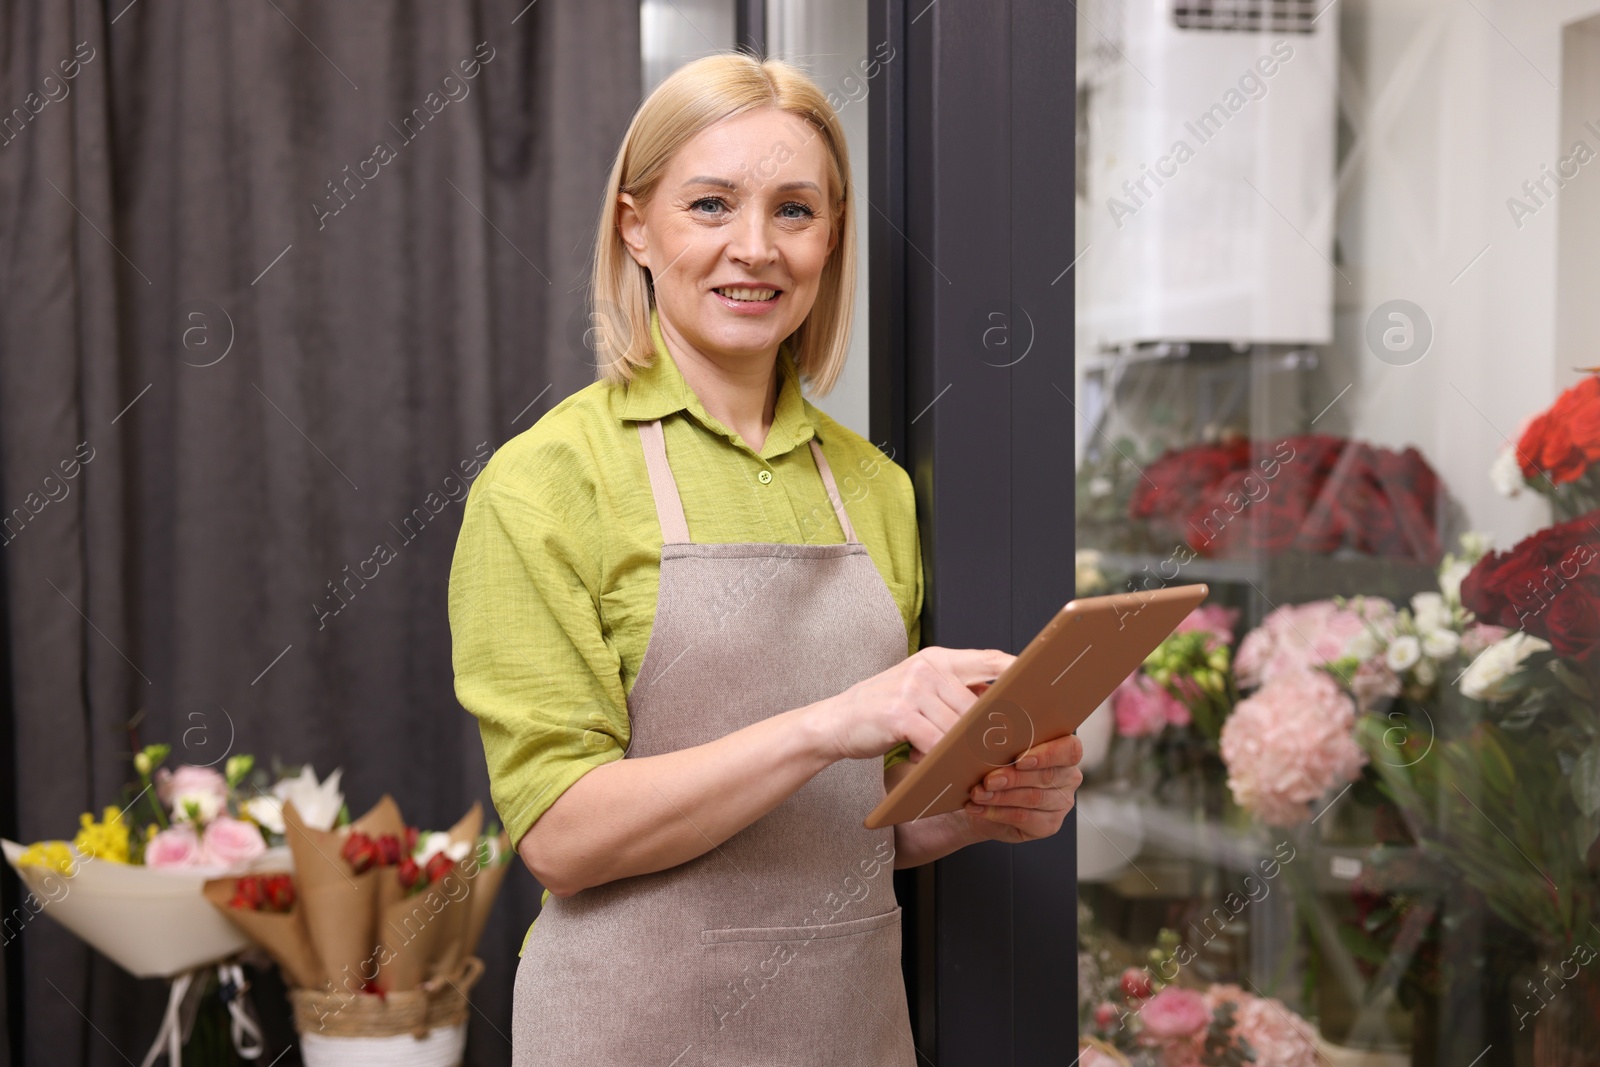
x: 1026, y: 823
x: 968, y: 665
x: 1062, y: 752
x: 1046, y: 778
x: 1045, y: 798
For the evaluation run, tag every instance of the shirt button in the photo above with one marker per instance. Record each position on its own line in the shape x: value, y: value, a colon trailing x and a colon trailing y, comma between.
x: 764, y: 477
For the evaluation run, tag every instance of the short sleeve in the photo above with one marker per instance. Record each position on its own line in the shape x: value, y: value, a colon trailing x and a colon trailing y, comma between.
x: 526, y: 643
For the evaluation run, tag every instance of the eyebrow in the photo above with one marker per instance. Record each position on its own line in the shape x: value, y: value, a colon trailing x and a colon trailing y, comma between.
x: 723, y: 183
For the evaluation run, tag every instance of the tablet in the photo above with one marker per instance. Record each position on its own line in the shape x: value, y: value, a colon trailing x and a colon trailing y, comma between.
x: 1067, y: 671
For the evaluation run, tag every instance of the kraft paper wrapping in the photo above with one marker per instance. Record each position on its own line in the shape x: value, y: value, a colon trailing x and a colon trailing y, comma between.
x: 283, y: 936
x: 485, y: 885
x: 384, y: 819
x: 421, y: 935
x: 340, y: 905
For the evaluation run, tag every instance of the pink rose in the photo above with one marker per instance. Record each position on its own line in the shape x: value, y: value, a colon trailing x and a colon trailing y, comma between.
x: 203, y: 787
x: 231, y: 843
x: 174, y: 847
x: 1144, y: 709
x: 1174, y: 1014
x: 1479, y: 636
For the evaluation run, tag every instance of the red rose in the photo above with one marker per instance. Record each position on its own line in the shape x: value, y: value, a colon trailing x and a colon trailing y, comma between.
x: 409, y: 871
x: 1583, y: 417
x: 1557, y: 567
x: 1136, y: 982
x: 388, y: 850
x: 281, y: 892
x: 439, y: 865
x: 1547, y: 446
x: 360, y: 851
x: 1572, y: 622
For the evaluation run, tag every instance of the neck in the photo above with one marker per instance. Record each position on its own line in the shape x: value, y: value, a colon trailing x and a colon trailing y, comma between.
x: 739, y: 392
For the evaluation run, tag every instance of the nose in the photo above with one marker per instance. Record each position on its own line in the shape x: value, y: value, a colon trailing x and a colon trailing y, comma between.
x: 750, y: 238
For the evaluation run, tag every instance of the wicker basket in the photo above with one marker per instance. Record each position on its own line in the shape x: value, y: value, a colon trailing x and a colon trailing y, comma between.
x: 422, y: 1027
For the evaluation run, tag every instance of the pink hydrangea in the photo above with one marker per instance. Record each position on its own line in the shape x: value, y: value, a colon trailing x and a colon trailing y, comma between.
x: 1278, y: 1036
x: 1214, y: 619
x: 1288, y: 744
x: 1143, y: 708
x: 1298, y: 636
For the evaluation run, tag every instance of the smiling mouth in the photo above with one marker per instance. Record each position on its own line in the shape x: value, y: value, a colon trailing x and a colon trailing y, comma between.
x: 755, y: 296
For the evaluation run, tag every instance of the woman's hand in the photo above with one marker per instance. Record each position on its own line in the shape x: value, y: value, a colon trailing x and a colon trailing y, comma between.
x: 916, y: 700
x: 1028, y: 799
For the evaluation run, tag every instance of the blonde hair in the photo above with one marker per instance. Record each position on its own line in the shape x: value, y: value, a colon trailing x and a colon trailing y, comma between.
x: 695, y: 97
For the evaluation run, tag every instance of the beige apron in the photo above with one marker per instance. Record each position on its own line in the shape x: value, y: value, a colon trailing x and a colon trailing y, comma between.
x: 782, y: 945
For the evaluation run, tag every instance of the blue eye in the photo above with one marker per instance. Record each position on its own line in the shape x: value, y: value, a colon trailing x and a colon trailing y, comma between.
x: 707, y: 200
x: 805, y: 212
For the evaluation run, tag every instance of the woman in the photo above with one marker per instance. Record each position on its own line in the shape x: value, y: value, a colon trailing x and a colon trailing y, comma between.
x: 664, y: 568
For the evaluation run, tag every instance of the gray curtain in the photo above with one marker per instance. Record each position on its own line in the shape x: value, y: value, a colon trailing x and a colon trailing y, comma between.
x: 261, y: 349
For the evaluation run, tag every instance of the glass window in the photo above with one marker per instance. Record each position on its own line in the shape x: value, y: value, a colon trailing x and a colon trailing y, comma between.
x: 1337, y: 358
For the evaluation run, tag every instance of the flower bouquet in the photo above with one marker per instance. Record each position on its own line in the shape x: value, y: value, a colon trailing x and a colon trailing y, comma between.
x: 375, y: 932
x: 130, y: 885
x: 1143, y: 1018
x: 1168, y: 713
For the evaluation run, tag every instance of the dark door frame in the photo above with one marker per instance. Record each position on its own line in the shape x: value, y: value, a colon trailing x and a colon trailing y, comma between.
x: 971, y: 213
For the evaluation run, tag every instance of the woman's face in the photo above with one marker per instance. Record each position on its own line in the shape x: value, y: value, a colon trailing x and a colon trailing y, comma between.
x: 736, y: 234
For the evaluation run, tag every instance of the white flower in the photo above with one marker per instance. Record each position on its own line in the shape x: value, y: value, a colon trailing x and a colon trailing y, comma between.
x: 1430, y: 612
x: 1475, y: 544
x: 1450, y: 576
x: 430, y: 845
x: 1486, y: 677
x: 318, y: 804
x: 1100, y: 486
x: 1441, y: 644
x: 1426, y: 672
x: 1402, y: 654
x: 203, y: 804
x: 1363, y: 646
x: 1506, y: 473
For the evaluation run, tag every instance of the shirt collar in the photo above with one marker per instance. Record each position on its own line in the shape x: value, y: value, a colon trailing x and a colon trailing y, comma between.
x: 659, y: 389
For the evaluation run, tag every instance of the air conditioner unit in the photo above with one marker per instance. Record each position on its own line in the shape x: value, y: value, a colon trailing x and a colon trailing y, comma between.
x: 1209, y: 170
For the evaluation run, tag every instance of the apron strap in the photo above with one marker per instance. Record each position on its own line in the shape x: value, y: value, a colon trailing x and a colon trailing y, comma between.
x: 833, y: 491
x: 669, y: 504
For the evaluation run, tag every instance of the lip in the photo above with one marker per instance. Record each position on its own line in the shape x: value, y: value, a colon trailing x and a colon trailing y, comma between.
x: 747, y: 307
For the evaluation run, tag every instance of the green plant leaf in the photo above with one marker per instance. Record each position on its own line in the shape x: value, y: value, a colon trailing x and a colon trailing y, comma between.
x: 1586, y: 780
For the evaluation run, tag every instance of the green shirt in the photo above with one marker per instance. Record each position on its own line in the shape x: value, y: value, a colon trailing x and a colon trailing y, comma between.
x: 553, y: 584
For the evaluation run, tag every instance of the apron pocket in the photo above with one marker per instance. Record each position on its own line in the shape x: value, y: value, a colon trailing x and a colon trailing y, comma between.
x: 830, y: 993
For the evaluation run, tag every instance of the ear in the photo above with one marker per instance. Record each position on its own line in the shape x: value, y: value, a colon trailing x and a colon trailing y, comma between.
x: 631, y: 228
